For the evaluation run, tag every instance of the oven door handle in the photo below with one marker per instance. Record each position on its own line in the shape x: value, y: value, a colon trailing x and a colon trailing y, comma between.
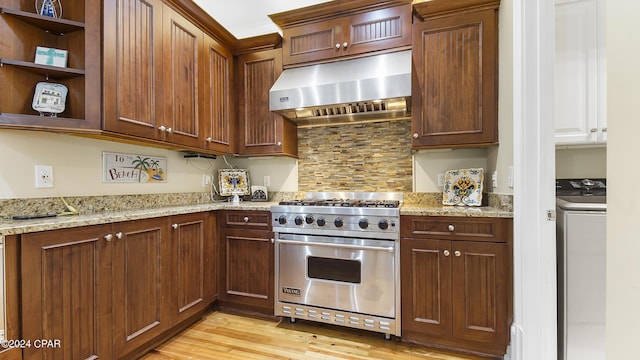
x: 342, y: 246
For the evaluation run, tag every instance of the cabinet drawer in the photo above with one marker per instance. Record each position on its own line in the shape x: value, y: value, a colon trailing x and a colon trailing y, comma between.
x: 456, y: 228
x: 245, y: 219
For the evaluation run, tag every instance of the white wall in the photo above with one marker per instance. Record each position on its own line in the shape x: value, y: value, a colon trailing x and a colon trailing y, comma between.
x: 77, y: 166
x: 623, y: 234
x: 428, y: 164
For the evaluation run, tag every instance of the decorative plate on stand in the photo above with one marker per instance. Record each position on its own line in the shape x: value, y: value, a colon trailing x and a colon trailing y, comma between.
x: 463, y: 187
x: 233, y: 182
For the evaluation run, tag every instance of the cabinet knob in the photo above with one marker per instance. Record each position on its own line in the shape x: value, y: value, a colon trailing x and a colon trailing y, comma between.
x: 162, y: 128
x: 415, y: 135
x: 604, y: 129
x: 246, y: 219
x: 272, y: 240
x: 279, y: 143
x: 345, y: 44
x: 451, y: 227
x: 175, y: 226
x: 446, y: 253
x: 594, y: 130
x: 209, y: 139
x: 337, y: 45
x: 169, y: 130
x: 108, y: 237
x: 119, y: 235
x: 457, y: 253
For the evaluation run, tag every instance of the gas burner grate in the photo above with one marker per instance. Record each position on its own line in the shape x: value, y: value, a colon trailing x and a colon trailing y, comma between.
x: 343, y: 203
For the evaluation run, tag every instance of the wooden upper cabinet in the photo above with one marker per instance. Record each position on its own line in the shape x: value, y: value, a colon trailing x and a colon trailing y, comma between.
x: 455, y: 91
x: 350, y: 31
x: 217, y: 95
x: 78, y: 32
x: 262, y: 132
x: 133, y: 74
x: 182, y: 51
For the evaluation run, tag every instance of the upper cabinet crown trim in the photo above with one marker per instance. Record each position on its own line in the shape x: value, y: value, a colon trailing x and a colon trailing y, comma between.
x: 331, y: 9
x: 436, y: 8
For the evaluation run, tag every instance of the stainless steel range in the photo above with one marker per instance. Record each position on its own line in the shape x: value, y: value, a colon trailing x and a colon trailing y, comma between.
x: 337, y: 259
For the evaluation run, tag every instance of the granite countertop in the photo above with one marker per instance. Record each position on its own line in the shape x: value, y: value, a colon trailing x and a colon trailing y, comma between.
x: 14, y: 227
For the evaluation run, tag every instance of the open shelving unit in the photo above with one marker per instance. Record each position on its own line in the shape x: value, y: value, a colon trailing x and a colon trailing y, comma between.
x: 78, y: 32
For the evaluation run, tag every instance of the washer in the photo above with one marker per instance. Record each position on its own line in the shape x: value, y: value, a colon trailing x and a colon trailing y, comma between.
x: 581, y: 253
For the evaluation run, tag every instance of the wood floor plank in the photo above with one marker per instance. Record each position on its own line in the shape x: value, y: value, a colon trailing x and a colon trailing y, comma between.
x: 229, y: 336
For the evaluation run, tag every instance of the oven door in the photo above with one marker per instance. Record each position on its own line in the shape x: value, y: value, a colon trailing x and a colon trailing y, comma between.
x: 356, y: 275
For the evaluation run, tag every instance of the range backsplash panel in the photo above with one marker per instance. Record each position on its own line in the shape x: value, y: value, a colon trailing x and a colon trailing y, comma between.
x: 359, y: 157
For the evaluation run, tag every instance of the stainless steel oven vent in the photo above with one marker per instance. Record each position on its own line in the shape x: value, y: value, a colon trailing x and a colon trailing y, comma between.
x: 373, y: 88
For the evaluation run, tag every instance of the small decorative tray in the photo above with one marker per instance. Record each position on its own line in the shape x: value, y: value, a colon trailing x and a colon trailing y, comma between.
x: 463, y: 187
x: 233, y: 182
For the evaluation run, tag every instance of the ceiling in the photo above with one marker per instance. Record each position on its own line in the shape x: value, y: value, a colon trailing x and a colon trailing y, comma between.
x: 247, y: 18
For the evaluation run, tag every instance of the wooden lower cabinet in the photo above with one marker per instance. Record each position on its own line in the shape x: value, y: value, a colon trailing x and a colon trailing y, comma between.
x: 108, y: 291
x: 456, y: 293
x: 246, y: 276
x: 66, y: 293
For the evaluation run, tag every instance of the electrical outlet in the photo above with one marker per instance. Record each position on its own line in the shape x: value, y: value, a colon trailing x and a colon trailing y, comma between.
x: 266, y: 181
x: 44, y: 176
x: 494, y: 180
x: 441, y: 179
x: 206, y: 180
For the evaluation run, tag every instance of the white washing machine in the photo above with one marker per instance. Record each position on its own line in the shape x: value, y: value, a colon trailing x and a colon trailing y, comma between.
x: 581, y: 250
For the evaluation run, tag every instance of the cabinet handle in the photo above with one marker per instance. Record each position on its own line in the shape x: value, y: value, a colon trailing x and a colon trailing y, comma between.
x: 451, y: 227
x: 345, y: 44
x: 457, y: 253
x: 169, y: 130
x: 108, y: 237
x: 119, y: 234
x: 594, y: 130
x: 446, y: 253
x: 246, y: 219
x: 337, y: 45
x: 162, y: 128
x: 175, y: 226
x: 415, y: 135
x: 604, y: 129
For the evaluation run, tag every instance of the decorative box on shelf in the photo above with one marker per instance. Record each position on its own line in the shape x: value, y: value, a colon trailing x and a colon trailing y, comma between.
x: 51, y: 56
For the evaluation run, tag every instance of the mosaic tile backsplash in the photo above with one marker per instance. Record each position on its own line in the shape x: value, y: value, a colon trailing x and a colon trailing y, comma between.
x: 359, y: 157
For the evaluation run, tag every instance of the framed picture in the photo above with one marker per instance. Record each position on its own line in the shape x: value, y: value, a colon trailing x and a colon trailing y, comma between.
x: 233, y: 182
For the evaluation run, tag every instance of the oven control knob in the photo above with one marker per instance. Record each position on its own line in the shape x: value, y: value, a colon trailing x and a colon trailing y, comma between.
x: 383, y: 224
x: 282, y: 220
x: 338, y: 222
x: 309, y: 219
x: 363, y: 223
x: 298, y: 220
x: 321, y: 221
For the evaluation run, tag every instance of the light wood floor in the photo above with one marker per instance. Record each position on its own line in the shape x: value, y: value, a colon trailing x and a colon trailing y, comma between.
x: 222, y: 335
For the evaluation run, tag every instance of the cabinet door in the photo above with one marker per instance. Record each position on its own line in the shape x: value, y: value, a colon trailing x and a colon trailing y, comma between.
x: 182, y: 49
x: 192, y: 268
x: 246, y: 277
x: 66, y: 287
x: 262, y: 132
x: 312, y: 42
x: 217, y: 93
x: 377, y: 30
x: 141, y: 276
x: 580, y: 88
x: 455, y: 83
x: 426, y: 287
x: 480, y: 291
x: 133, y: 98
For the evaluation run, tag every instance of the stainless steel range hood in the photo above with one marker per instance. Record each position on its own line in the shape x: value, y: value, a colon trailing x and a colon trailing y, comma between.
x: 373, y: 88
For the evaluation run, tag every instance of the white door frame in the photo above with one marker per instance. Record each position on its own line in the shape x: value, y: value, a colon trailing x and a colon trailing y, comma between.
x: 533, y: 334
